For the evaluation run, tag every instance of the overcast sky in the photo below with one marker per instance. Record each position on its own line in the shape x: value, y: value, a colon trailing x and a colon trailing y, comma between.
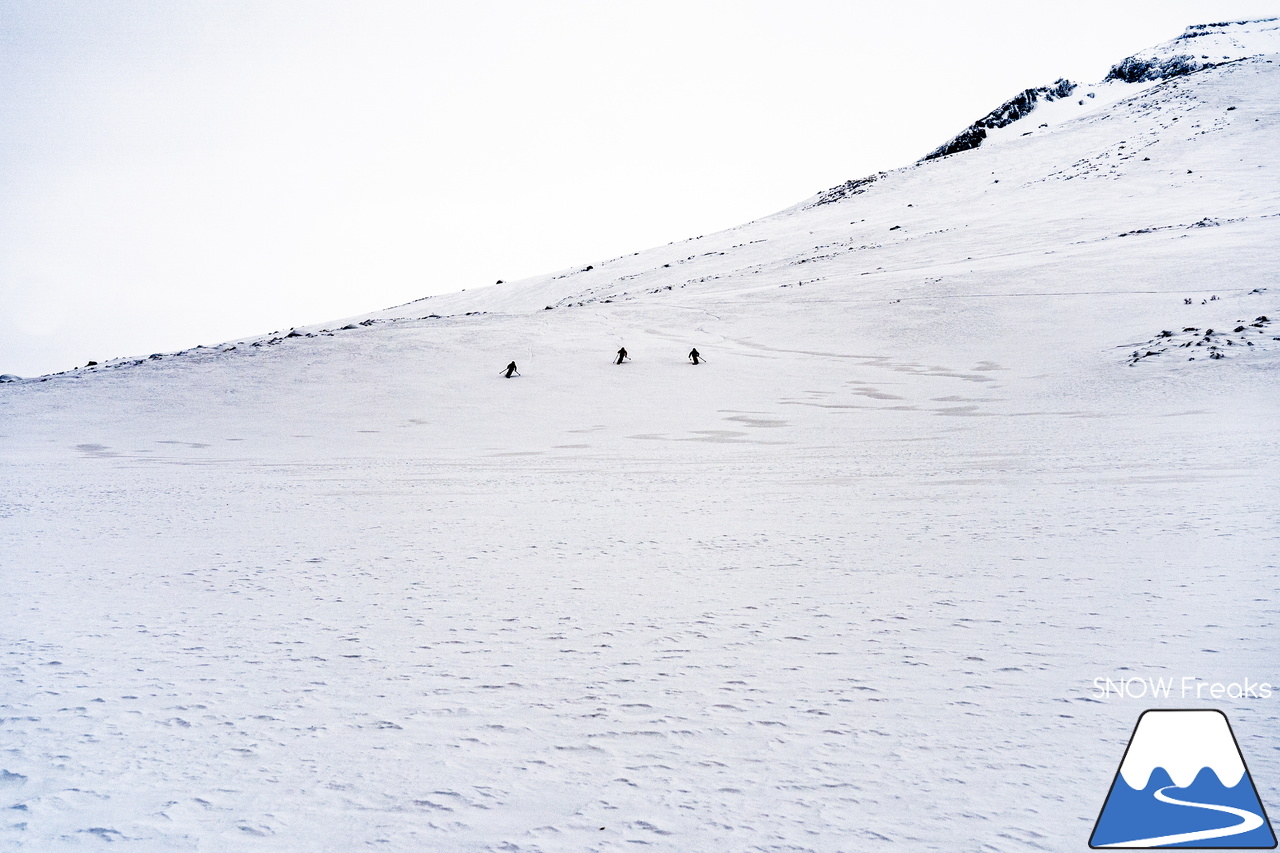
x: 176, y: 173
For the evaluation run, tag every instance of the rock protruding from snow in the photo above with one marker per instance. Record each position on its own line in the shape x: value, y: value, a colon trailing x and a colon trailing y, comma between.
x: 848, y: 188
x: 1201, y: 46
x: 1004, y: 115
x: 1137, y: 69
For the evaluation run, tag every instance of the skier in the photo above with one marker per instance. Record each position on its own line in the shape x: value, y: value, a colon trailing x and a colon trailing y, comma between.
x: 622, y: 356
x: 511, y: 369
x: 694, y: 355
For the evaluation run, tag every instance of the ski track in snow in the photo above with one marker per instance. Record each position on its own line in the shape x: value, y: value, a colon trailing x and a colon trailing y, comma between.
x: 845, y: 586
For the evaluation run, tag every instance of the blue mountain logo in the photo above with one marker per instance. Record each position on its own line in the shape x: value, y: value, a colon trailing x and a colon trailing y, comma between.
x: 1183, y: 783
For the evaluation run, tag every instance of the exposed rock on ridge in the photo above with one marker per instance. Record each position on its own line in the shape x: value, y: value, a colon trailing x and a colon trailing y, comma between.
x: 1137, y: 69
x: 1152, y: 65
x: 1002, y: 116
x: 847, y: 189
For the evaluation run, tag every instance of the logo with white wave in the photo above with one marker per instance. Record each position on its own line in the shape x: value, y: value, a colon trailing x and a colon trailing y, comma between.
x: 1183, y: 783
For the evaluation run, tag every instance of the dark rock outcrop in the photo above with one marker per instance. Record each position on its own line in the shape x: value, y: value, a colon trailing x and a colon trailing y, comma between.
x: 1139, y: 69
x: 1136, y: 69
x: 847, y: 189
x: 1004, y: 115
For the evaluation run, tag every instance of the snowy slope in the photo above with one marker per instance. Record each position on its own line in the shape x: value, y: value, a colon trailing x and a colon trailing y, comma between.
x: 1065, y: 99
x: 845, y: 585
x: 1202, y: 46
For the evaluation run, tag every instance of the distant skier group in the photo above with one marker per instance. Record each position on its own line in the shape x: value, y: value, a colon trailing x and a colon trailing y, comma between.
x: 694, y: 356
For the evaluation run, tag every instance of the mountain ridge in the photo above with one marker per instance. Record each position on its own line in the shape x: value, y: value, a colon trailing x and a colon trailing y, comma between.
x: 1067, y: 145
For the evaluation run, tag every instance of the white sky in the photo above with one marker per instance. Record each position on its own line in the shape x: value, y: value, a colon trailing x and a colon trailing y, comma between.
x: 175, y: 173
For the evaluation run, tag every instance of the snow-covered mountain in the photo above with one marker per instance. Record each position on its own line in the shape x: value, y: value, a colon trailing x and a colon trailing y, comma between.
x: 1201, y: 46
x: 1133, y: 141
x: 969, y: 434
x: 1225, y: 42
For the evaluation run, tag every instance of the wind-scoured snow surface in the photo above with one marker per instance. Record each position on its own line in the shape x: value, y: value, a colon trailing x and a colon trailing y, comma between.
x: 845, y: 586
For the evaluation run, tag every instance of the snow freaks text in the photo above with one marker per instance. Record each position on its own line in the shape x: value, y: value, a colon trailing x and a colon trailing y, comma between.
x: 1187, y: 687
